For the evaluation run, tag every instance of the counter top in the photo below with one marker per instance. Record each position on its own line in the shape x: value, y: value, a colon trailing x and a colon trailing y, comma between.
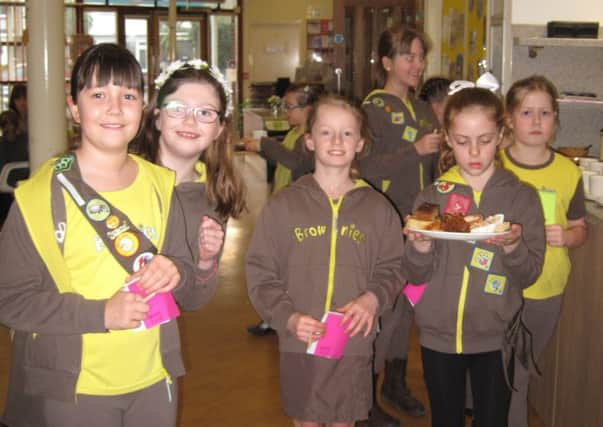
x: 558, y: 42
x: 594, y: 213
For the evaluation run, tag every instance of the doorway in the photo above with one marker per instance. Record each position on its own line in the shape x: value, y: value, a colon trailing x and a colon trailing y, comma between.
x: 145, y: 33
x: 358, y: 25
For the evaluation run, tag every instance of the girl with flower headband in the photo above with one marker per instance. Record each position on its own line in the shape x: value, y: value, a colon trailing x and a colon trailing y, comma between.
x: 186, y: 129
x: 474, y: 289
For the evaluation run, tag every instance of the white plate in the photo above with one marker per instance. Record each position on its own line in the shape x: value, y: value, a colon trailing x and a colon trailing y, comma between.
x: 450, y: 235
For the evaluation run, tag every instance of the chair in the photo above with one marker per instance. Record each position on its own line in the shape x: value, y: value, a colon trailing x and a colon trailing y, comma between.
x: 11, y: 174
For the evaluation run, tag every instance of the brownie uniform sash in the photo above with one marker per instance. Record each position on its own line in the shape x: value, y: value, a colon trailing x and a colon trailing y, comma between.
x: 128, y: 245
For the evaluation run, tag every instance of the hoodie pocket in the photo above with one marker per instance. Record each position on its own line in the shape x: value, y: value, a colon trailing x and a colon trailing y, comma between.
x: 53, y: 352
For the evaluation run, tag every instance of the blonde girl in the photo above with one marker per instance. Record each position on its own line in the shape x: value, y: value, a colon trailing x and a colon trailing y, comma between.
x: 326, y: 243
x: 290, y: 155
x: 532, y: 120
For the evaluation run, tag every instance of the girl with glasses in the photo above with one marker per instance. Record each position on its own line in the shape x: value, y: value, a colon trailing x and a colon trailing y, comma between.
x: 186, y: 129
x: 292, y: 161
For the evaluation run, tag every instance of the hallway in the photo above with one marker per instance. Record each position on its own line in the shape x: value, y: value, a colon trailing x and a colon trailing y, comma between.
x: 232, y: 377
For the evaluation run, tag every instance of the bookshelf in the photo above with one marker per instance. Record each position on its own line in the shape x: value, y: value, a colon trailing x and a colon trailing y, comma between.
x: 319, y: 40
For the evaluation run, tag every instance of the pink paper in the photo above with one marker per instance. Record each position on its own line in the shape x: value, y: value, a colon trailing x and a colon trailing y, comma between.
x: 414, y: 292
x: 332, y: 344
x: 162, y: 307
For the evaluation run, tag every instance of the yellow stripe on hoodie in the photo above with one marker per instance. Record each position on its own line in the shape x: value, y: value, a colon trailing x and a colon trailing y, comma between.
x: 453, y: 175
x: 460, y: 315
x: 333, y: 244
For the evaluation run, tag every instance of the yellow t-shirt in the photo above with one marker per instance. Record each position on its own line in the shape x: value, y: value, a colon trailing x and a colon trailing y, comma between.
x: 556, y: 183
x: 117, y: 362
x: 454, y: 175
x: 282, y: 174
x: 201, y: 170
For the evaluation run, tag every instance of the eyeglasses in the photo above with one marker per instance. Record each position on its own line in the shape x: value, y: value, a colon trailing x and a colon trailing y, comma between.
x: 178, y: 110
x: 288, y: 107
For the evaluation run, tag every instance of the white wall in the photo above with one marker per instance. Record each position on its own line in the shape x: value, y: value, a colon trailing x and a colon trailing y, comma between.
x: 539, y: 12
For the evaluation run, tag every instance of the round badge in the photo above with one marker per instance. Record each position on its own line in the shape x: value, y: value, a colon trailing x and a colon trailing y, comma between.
x: 97, y: 210
x: 444, y: 187
x: 141, y: 260
x: 126, y: 244
x: 378, y: 102
x: 112, y: 222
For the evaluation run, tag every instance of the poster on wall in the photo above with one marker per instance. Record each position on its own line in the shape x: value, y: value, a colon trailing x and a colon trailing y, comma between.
x: 445, y: 66
x: 457, y: 27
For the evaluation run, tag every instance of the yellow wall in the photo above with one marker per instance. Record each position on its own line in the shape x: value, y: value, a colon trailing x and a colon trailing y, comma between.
x: 279, y: 11
x: 462, y: 35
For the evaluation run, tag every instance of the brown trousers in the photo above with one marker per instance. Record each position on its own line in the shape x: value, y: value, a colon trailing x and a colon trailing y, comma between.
x: 153, y: 406
x: 392, y: 341
x: 540, y: 317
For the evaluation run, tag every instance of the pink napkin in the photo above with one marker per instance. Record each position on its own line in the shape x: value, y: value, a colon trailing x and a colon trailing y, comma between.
x: 414, y: 292
x: 162, y: 306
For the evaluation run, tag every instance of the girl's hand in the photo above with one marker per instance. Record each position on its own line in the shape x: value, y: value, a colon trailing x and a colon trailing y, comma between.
x: 209, y: 242
x: 555, y: 235
x: 360, y: 314
x: 125, y: 310
x: 508, y: 241
x: 421, y: 242
x: 430, y: 143
x: 251, y: 144
x: 159, y: 275
x: 305, y: 328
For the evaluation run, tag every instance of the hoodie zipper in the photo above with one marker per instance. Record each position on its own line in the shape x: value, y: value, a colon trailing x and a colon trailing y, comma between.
x: 333, y: 250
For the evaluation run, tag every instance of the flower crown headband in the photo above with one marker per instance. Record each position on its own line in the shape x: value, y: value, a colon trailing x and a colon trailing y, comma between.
x: 197, y: 64
x: 485, y: 81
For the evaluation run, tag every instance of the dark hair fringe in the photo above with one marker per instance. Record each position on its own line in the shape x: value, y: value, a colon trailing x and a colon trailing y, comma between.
x: 104, y: 63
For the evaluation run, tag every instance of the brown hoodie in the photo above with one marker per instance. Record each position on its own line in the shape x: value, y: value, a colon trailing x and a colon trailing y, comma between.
x: 47, y: 346
x: 393, y: 165
x: 299, y: 160
x: 301, y: 240
x: 475, y: 289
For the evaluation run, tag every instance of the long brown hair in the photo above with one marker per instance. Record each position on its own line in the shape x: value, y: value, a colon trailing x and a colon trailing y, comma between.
x: 355, y: 110
x: 462, y: 100
x: 225, y: 189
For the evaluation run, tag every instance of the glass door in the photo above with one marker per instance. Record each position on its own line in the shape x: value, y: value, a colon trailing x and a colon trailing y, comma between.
x: 358, y: 29
x: 136, y: 33
x: 190, y: 39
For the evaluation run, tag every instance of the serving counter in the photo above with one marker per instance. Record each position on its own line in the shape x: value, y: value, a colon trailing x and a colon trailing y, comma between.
x: 570, y: 392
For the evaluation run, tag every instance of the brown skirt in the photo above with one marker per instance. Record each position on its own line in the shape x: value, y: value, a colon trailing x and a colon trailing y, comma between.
x: 324, y: 390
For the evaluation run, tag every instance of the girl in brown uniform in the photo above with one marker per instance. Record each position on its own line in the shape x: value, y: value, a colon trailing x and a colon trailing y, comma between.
x: 474, y: 289
x: 326, y: 243
x: 401, y: 162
